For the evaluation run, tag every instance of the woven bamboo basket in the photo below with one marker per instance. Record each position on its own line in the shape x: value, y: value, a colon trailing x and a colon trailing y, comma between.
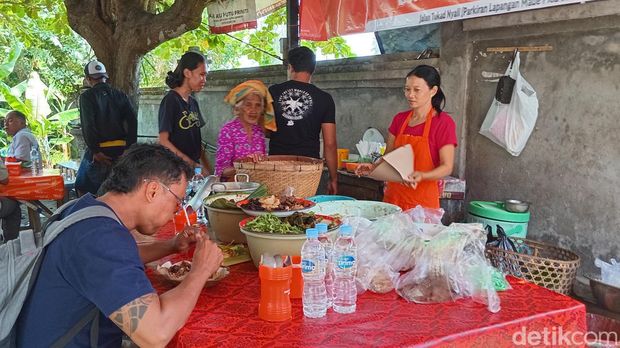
x: 548, y: 266
x: 279, y: 172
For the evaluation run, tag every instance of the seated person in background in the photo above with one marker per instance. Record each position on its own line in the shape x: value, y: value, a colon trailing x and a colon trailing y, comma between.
x: 9, y: 210
x: 244, y: 136
x: 96, y: 263
x: 23, y: 139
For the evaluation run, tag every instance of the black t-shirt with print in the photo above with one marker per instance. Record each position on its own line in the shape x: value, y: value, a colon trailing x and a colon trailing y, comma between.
x: 300, y: 110
x: 182, y: 120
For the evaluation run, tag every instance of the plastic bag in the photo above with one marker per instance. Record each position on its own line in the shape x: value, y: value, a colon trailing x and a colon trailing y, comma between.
x: 610, y: 272
x: 373, y: 271
x: 451, y: 266
x: 425, y: 215
x: 510, y: 125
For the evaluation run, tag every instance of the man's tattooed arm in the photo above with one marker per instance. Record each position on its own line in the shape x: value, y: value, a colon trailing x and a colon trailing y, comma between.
x: 128, y: 317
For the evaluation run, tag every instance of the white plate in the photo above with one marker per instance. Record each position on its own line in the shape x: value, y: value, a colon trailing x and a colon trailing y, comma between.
x: 163, y: 270
x: 373, y: 134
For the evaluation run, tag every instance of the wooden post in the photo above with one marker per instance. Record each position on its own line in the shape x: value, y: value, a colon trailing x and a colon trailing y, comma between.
x: 292, y: 26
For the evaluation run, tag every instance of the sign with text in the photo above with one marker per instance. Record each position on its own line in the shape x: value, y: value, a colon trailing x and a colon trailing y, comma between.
x: 323, y: 19
x: 226, y: 16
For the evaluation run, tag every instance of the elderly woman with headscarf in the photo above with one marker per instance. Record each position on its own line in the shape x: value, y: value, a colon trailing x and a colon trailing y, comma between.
x: 244, y: 136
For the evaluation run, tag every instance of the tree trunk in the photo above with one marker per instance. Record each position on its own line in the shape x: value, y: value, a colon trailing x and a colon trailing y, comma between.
x: 121, y: 32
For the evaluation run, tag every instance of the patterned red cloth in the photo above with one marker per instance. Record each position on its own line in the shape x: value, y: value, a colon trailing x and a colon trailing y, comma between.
x: 226, y: 315
x: 32, y: 188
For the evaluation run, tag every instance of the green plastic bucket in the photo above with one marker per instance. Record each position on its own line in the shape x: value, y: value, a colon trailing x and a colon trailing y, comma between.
x: 493, y: 214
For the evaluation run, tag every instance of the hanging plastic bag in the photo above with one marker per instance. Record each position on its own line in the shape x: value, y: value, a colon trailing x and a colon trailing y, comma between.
x: 510, y: 125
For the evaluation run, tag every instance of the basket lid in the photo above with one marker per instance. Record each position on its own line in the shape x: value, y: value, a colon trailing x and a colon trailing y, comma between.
x: 496, y: 211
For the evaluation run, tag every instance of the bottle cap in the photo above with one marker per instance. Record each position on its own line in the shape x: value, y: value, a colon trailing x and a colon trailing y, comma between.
x: 321, y: 227
x: 312, y: 233
x: 346, y: 230
x: 197, y: 170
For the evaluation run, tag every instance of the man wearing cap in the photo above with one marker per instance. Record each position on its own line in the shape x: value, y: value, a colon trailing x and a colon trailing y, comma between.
x: 109, y: 126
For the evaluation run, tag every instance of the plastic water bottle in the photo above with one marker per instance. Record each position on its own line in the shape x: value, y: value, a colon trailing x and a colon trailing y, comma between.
x: 193, y: 186
x: 329, y: 269
x: 195, y: 181
x: 35, y: 161
x: 314, y: 297
x: 344, y: 257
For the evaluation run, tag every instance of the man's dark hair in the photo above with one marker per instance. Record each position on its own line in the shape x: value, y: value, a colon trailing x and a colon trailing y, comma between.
x: 302, y: 59
x: 18, y: 114
x: 145, y: 161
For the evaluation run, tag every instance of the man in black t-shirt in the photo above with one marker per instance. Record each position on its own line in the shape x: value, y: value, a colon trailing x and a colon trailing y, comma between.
x: 109, y: 126
x: 303, y: 111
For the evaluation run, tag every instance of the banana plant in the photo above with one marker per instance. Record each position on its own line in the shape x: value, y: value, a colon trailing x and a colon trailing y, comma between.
x: 51, y: 131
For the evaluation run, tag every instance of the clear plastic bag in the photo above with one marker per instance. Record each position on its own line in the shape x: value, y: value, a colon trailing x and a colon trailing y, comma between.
x: 373, y: 271
x: 425, y: 215
x: 451, y: 266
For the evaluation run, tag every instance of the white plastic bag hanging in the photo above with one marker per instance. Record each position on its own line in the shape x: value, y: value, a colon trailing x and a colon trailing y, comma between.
x: 510, y: 125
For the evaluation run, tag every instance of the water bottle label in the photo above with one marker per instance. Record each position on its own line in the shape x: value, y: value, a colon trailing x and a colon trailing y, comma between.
x: 307, y: 266
x: 345, y: 261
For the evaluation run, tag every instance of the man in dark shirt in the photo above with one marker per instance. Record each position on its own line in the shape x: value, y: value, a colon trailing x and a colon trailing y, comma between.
x: 97, y: 264
x: 303, y: 111
x: 109, y: 126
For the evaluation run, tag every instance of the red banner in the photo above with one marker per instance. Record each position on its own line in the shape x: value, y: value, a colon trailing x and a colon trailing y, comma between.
x: 323, y: 19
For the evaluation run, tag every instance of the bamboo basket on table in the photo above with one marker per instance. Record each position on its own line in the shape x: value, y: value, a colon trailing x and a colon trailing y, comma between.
x: 279, y: 172
x: 548, y: 266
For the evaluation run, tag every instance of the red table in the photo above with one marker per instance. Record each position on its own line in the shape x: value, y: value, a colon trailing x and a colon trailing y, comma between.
x: 47, y: 186
x: 226, y: 315
x: 31, y: 190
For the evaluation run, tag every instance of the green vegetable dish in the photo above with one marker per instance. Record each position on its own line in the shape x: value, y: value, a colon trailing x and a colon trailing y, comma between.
x: 294, y: 224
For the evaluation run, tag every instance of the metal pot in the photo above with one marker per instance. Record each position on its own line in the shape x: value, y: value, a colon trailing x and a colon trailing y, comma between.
x: 607, y: 296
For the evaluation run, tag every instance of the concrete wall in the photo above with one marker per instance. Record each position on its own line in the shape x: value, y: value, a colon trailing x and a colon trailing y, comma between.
x: 570, y: 167
x: 367, y: 92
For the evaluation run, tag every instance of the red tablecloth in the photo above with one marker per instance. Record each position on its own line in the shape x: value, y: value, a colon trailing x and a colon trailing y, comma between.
x: 48, y: 186
x: 226, y: 315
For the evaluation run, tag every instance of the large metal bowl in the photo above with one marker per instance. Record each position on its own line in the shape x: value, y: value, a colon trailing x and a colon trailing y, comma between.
x: 607, y: 296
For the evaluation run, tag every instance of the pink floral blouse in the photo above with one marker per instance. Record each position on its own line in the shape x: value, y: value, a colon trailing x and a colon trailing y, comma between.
x: 233, y: 143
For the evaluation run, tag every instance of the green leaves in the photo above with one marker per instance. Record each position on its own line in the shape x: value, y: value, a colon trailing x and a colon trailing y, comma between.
x: 6, y: 68
x: 65, y: 117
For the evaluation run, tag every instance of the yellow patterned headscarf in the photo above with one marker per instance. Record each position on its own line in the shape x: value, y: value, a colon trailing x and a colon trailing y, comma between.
x: 254, y: 86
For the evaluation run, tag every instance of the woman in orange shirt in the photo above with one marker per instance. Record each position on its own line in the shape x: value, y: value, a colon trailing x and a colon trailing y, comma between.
x: 432, y: 134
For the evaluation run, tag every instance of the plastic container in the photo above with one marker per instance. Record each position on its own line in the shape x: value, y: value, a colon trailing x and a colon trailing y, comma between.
x: 329, y: 198
x: 275, y: 302
x: 493, y: 214
x: 180, y: 221
x: 329, y: 269
x: 371, y: 210
x: 35, y: 161
x: 345, y: 268
x: 313, y: 270
x: 14, y: 168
